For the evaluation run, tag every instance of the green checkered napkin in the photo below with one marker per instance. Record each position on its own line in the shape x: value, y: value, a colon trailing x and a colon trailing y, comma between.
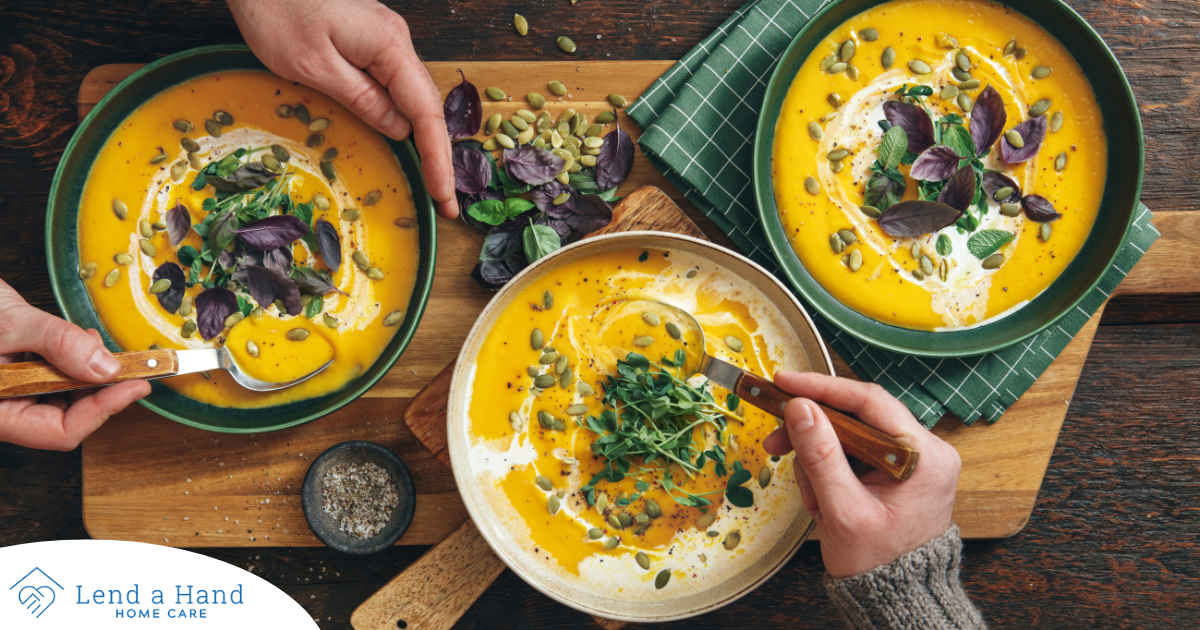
x: 699, y: 121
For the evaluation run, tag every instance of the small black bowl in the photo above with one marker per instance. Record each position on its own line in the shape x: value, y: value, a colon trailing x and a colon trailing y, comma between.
x: 322, y: 524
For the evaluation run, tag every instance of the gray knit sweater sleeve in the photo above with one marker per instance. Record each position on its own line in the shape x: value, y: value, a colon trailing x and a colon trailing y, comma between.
x: 919, y: 590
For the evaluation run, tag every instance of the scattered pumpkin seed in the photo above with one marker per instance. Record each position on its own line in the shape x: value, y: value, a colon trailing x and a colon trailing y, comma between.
x: 185, y: 307
x: 251, y: 348
x: 285, y: 111
x: 560, y: 364
x: 595, y: 533
x: 360, y: 260
x: 557, y: 88
x: 643, y: 561
x: 963, y: 61
x: 88, y: 271
x: 189, y: 145
x: 835, y: 100
x: 838, y: 67
x: 964, y: 102
x: 144, y: 229
x: 223, y: 118
x: 705, y: 520
x: 351, y: 214
x: 846, y: 50
x: 605, y: 117
x: 1014, y: 138
x: 120, y: 209
x: 1060, y: 162
x: 302, y: 113
x: 1041, y: 72
x: 329, y: 320
x: 506, y: 141
x: 828, y: 62
x: 393, y: 318
x: 329, y: 155
x: 870, y: 211
x: 566, y: 45
x: 949, y: 93
x: 546, y: 420
x: 651, y: 318
x: 868, y: 34
x: 888, y: 57
x: 734, y: 343
x: 617, y: 100
x: 584, y: 389
x: 1040, y: 107
x: 160, y: 158
x: 602, y: 503
x: 918, y: 275
x: 814, y: 131
x: 624, y: 519
x: 544, y: 381
x: 945, y: 40
x: 1010, y: 209
x: 236, y: 317
x: 564, y: 178
x: 944, y: 269
x: 318, y: 125
x: 158, y: 226
x: 495, y: 93
x: 552, y: 504
x: 927, y: 265
x: 1010, y: 46
x: 969, y: 84
x: 611, y: 543
x: 328, y: 171
x: 919, y: 67
x: 1003, y: 193
x: 314, y: 141
x: 764, y: 477
x: 1044, y: 232
x: 812, y: 185
x: 994, y: 261
x: 548, y: 358
x: 375, y: 273
x: 836, y: 167
x: 112, y: 277
x: 643, y: 341
x: 847, y: 236
x: 521, y: 24
x: 182, y: 126
x: 147, y: 247
x: 268, y: 161
x: 577, y: 410
x: 673, y: 330
x: 518, y: 123
x: 508, y: 128
x: 837, y: 154
x: 544, y: 483
x: 295, y: 334
x: 188, y: 329
x: 213, y: 128
x: 856, y: 260
x: 160, y: 286
x: 916, y: 251
x: 732, y: 540
x: 691, y: 273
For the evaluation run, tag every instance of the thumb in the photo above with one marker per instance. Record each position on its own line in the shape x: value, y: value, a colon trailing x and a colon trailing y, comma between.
x: 63, y: 344
x: 819, y: 454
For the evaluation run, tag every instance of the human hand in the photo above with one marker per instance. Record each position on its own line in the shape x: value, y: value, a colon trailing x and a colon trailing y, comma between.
x: 867, y: 521
x: 58, y: 422
x: 328, y: 45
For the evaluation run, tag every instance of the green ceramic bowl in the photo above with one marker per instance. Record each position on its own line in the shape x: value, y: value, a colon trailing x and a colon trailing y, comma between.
x: 63, y: 255
x: 1126, y: 157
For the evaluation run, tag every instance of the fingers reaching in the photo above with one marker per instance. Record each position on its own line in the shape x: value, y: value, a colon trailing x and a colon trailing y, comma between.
x: 819, y: 457
x: 871, y: 403
x: 55, y: 426
x: 68, y: 347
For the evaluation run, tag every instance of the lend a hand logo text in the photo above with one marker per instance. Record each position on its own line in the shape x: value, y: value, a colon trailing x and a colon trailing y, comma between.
x: 188, y: 604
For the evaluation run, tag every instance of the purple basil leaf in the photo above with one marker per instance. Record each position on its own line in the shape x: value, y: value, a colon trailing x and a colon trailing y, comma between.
x: 491, y: 274
x: 532, y: 165
x: 266, y: 285
x: 272, y: 232
x: 239, y: 257
x: 914, y: 121
x: 960, y: 190
x: 179, y: 222
x: 313, y: 282
x: 172, y: 297
x: 591, y: 214
x: 615, y: 159
x: 1039, y: 209
x: 462, y: 110
x: 246, y: 177
x: 331, y: 244
x: 472, y: 171
x: 466, y: 201
x: 212, y: 307
x: 559, y: 226
x: 279, y: 259
x: 1033, y: 131
x: 917, y: 218
x: 993, y: 181
x: 936, y: 164
x: 987, y: 120
x: 543, y: 198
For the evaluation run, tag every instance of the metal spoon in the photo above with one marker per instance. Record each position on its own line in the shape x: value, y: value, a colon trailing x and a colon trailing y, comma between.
x: 859, y: 440
x: 39, y: 377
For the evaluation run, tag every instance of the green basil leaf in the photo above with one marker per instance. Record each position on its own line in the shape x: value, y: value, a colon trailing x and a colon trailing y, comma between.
x: 314, y: 307
x: 516, y: 206
x: 539, y: 241
x: 895, y: 145
x: 958, y: 138
x: 944, y: 246
x: 882, y: 191
x: 985, y: 243
x: 489, y: 211
x: 741, y: 497
x: 244, y: 305
x: 187, y: 254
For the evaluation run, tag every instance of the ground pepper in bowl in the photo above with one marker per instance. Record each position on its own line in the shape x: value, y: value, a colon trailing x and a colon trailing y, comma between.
x: 359, y: 497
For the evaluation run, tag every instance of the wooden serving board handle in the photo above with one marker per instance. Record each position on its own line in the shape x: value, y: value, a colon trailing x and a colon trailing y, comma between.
x: 870, y: 445
x: 34, y: 378
x: 435, y: 591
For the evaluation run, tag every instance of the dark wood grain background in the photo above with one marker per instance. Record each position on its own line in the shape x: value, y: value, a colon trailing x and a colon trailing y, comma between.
x: 1113, y: 539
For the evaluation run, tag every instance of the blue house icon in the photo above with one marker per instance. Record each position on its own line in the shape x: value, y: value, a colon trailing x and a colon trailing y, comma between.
x: 36, y: 593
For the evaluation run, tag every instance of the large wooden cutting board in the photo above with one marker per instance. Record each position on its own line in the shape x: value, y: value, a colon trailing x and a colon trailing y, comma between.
x: 151, y: 480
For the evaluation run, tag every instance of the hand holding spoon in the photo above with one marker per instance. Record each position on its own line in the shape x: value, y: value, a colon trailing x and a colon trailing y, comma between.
x: 39, y: 377
x: 859, y: 440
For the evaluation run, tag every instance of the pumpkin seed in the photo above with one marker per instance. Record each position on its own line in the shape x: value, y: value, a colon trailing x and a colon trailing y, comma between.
x: 112, y: 277
x: 88, y: 271
x: 1010, y: 209
x: 147, y: 247
x: 651, y: 318
x: 949, y: 92
x: 588, y: 160
x: 927, y: 265
x: 837, y: 154
x: 552, y: 504
x: 916, y: 251
x: 328, y: 319
x: 547, y: 299
x: 515, y: 421
x: 812, y: 186
x: 828, y: 62
x: 518, y: 123
x: 185, y: 307
x: 944, y: 269
x: 868, y: 34
x: 602, y: 503
x: 314, y: 141
x: 1060, y: 162
x: 495, y: 93
x: 506, y: 141
x: 1014, y: 138
x: 1056, y: 122
x: 1040, y: 107
x: 814, y: 131
x: 182, y: 126
x: 360, y: 260
x: 994, y: 261
x: 521, y: 24
x: 593, y: 142
x: 624, y: 519
x: 1044, y: 232
x: 870, y: 211
x: 847, y: 236
x: 302, y: 113
x: 251, y: 348
x: 372, y: 198
x: 691, y: 273
x: 856, y: 260
x: 643, y: 341
x: 605, y: 117
x: 375, y: 273
x: 188, y: 329
x: 351, y: 214
x: 595, y: 533
x: 160, y: 286
x: 611, y: 543
x: 734, y: 343
x: 732, y: 540
x: 918, y: 275
x: 1003, y: 193
x: 213, y: 128
x: 560, y: 364
x: 584, y: 389
x: 548, y: 358
x: 557, y: 88
x: 544, y: 483
x: 705, y: 520
x: 919, y: 67
x: 320, y: 124
x: 160, y: 158
x: 393, y: 318
x: 564, y: 178
x: 268, y: 161
x: 764, y: 477
x: 545, y: 419
x: 177, y: 171
x: 846, y: 50
x: 969, y: 84
x: 223, y: 118
x: 236, y: 317
x: 144, y: 229
x: 320, y: 201
x: 508, y: 128
x: 945, y: 40
x: 566, y: 45
x: 836, y: 167
x: 838, y: 67
x: 1010, y: 46
x: 189, y: 145
x: 279, y: 306
x: 577, y: 410
x: 285, y: 111
x: 662, y: 578
x: 545, y: 381
x: 295, y: 334
x: 328, y: 170
x: 835, y: 100
x: 643, y: 560
x: 613, y: 521
x: 406, y: 223
x: 329, y: 155
x: 617, y: 100
x: 888, y: 57
x: 194, y: 161
x: 963, y: 61
x: 1041, y: 72
x: 964, y: 102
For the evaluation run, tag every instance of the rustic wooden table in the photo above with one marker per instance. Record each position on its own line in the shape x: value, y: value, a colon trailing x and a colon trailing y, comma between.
x: 1113, y: 539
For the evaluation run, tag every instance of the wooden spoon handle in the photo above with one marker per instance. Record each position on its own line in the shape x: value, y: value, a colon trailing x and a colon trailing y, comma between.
x: 435, y: 591
x: 39, y: 377
x: 870, y: 445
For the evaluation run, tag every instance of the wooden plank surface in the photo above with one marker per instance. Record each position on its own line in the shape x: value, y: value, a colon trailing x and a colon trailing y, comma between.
x: 1003, y: 464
